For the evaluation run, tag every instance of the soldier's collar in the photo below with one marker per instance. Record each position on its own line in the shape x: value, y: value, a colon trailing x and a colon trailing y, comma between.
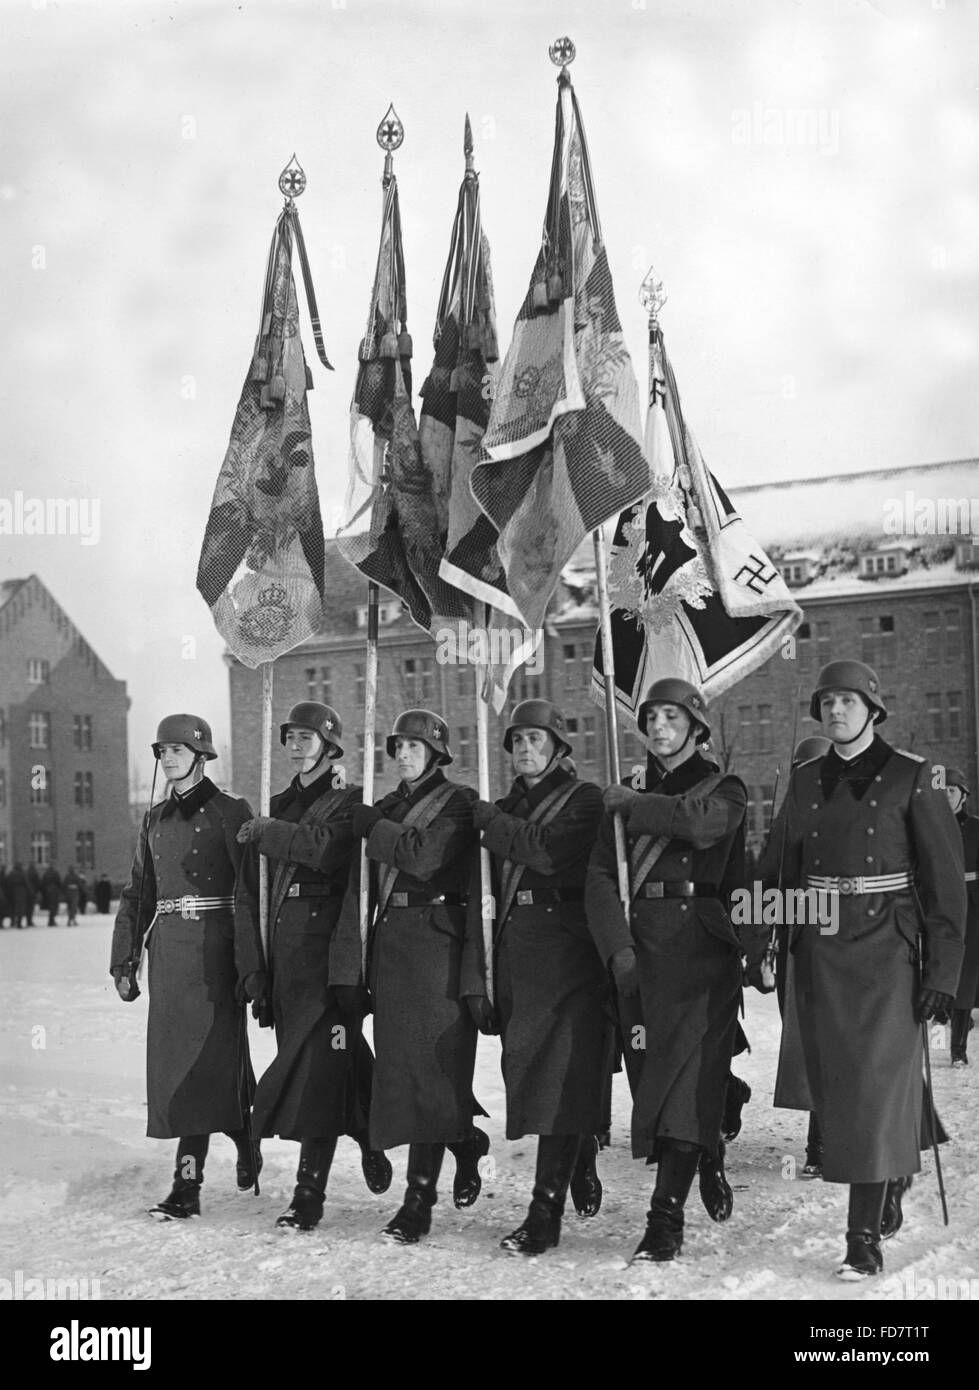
x: 191, y: 801
x: 536, y: 794
x: 413, y: 791
x: 679, y: 779
x: 308, y: 794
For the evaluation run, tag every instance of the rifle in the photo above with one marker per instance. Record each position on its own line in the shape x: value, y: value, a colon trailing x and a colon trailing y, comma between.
x: 131, y: 966
x: 768, y: 959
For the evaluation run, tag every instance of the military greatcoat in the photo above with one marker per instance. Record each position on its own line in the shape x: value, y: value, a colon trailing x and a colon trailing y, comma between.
x: 688, y: 954
x: 424, y: 1038
x: 198, y: 1073
x: 851, y: 1045
x: 319, y: 1083
x: 968, y: 991
x: 552, y: 990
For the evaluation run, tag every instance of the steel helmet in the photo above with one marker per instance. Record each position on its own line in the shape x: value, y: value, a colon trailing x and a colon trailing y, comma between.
x: 319, y: 719
x: 955, y: 777
x: 188, y: 729
x: 815, y: 746
x: 427, y: 727
x: 673, y: 691
x: 538, y: 714
x: 849, y: 675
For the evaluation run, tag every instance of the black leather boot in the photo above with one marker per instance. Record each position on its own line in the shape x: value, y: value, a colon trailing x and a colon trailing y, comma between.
x: 249, y: 1162
x: 467, y: 1183
x: 736, y: 1097
x: 556, y: 1155
x: 814, y: 1149
x: 715, y: 1190
x: 374, y: 1164
x: 586, y: 1186
x: 306, y: 1208
x: 184, y: 1199
x: 863, y: 1259
x: 961, y: 1024
x: 664, y: 1225
x: 893, y: 1216
x: 414, y: 1219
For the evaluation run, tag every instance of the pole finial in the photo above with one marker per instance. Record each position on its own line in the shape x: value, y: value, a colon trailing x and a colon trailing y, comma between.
x: 652, y: 296
x: 467, y: 146
x: 390, y: 134
x: 292, y: 180
x: 562, y: 53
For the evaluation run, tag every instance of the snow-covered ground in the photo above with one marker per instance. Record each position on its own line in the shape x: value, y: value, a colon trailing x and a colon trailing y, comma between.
x: 77, y: 1175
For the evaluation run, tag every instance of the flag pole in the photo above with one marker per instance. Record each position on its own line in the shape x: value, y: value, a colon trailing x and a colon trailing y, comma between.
x: 613, y: 770
x: 370, y: 738
x: 264, y: 798
x: 487, y: 907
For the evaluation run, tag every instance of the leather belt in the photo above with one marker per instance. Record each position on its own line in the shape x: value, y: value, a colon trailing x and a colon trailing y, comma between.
x: 313, y: 890
x: 678, y: 888
x: 400, y: 899
x: 188, y: 906
x: 971, y: 877
x: 534, y: 897
x: 860, y: 884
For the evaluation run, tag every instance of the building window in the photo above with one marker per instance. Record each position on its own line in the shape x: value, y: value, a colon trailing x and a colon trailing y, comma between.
x: 936, y: 724
x: 589, y: 731
x: 40, y: 730
x: 570, y: 671
x: 803, y: 639
x: 765, y: 798
x: 42, y: 848
x: 630, y: 747
x: 85, y: 849
x: 465, y: 682
x: 40, y: 787
x: 38, y: 671
x: 528, y: 687
x: 83, y: 732
x: 746, y: 724
x: 954, y: 701
x: 953, y: 635
x: 868, y: 641
x: 326, y: 685
x: 83, y: 789
x: 3, y: 794
x: 571, y: 725
x: 464, y: 749
x: 823, y: 643
x: 380, y: 754
x: 933, y: 645
x: 360, y: 684
x: 764, y: 728
x: 311, y: 683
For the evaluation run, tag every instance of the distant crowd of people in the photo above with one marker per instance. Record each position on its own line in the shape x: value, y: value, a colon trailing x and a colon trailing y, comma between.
x: 26, y: 891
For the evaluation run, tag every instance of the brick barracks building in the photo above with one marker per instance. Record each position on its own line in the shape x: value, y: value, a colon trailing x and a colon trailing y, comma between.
x: 64, y: 796
x: 884, y: 564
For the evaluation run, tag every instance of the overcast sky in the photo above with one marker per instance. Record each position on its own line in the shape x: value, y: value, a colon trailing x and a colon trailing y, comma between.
x: 802, y: 175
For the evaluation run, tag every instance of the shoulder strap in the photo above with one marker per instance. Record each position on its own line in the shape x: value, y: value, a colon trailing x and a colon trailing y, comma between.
x: 543, y: 814
x: 646, y: 851
x: 285, y: 870
x: 420, y: 816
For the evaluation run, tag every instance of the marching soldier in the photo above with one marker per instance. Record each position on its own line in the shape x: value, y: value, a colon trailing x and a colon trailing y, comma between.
x: 551, y: 988
x: 967, y: 996
x: 866, y: 824
x: 179, y: 906
x: 314, y: 1090
x: 419, y: 841
x: 679, y: 953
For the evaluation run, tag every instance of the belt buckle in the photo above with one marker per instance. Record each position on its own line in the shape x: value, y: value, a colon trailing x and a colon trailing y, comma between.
x: 655, y: 890
x: 525, y: 897
x: 849, y: 886
x: 165, y: 906
x: 399, y: 899
x: 687, y: 889
x: 186, y: 908
x: 293, y: 890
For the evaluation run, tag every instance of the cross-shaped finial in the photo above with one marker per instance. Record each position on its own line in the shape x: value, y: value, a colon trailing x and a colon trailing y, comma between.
x: 562, y: 52
x: 292, y: 180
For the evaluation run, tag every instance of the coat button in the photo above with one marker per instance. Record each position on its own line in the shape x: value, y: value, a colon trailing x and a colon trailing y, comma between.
x: 817, y: 862
x: 869, y: 859
x: 815, y: 805
x: 878, y: 779
x: 873, y: 803
x: 870, y: 830
x: 871, y: 912
x: 683, y: 907
x: 815, y: 834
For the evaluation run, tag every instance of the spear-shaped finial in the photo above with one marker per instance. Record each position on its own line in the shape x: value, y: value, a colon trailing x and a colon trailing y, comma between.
x: 292, y: 180
x: 467, y: 148
x: 652, y: 296
x: 390, y: 134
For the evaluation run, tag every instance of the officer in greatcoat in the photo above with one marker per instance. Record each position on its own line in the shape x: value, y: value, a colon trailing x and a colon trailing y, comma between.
x: 967, y: 995
x: 178, y: 906
x: 419, y: 842
x: 678, y: 950
x: 314, y: 1090
x: 51, y: 888
x: 552, y: 992
x: 867, y: 825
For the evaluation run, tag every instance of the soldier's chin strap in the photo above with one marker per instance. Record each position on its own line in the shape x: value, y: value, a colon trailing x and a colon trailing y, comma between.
x: 869, y: 720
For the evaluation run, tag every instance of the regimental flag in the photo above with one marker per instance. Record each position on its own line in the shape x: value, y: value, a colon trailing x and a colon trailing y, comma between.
x: 261, y: 564
x: 563, y: 450
x: 392, y: 532
x: 692, y: 594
